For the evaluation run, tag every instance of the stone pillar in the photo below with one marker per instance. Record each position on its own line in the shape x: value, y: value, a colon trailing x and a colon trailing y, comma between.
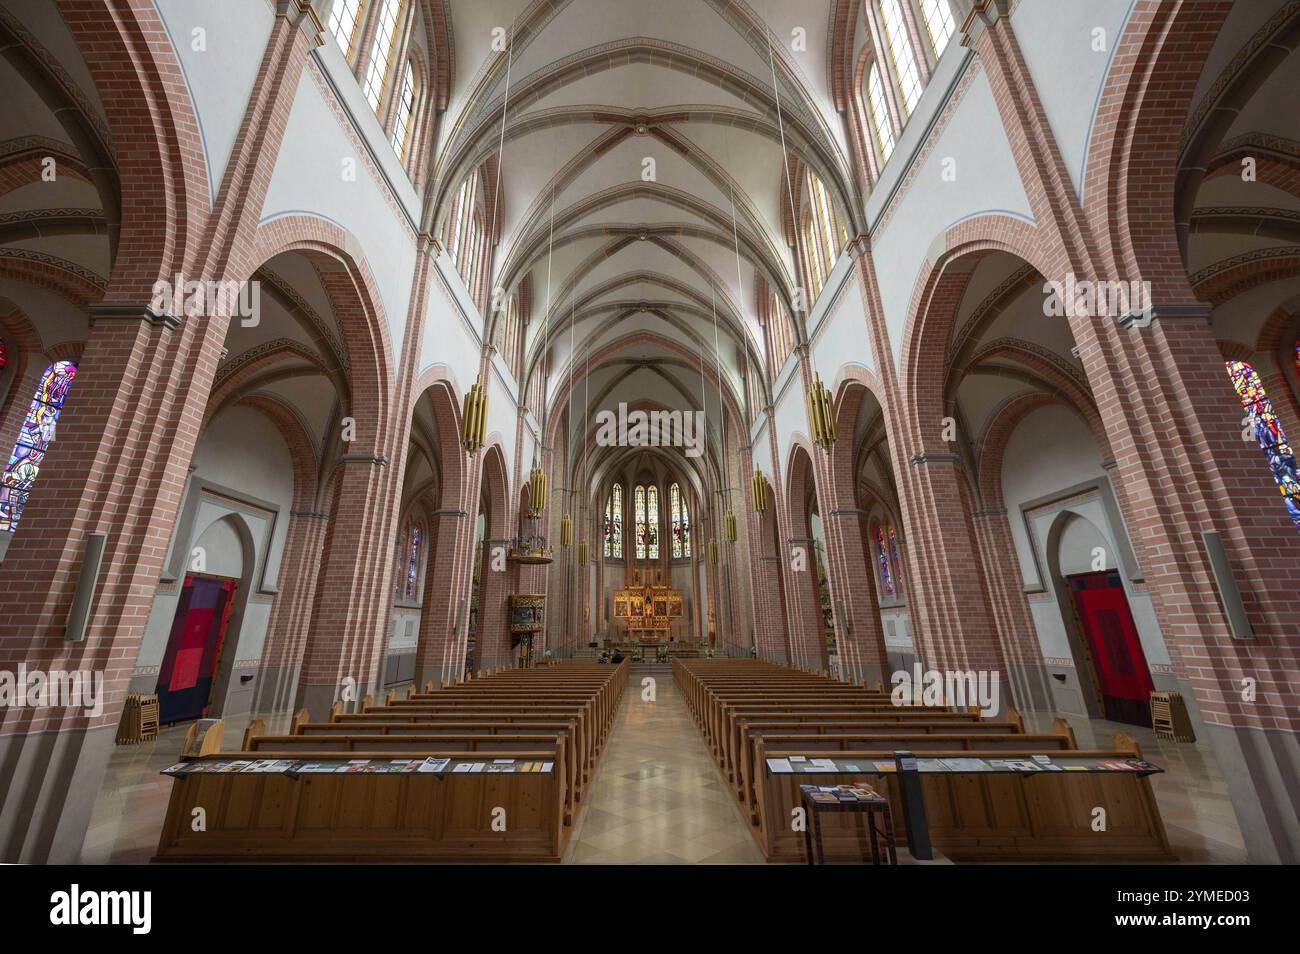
x: 1172, y: 419
x: 286, y: 630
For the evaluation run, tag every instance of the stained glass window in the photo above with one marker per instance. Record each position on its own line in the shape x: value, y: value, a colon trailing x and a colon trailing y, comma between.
x: 638, y: 517
x: 33, y: 441
x: 882, y: 557
x: 681, y: 519
x: 652, y: 521
x: 1268, y: 431
x: 413, y: 563
x: 898, y: 563
x: 614, y: 523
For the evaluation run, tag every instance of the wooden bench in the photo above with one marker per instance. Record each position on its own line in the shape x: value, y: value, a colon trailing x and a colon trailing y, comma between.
x: 275, y: 817
x: 552, y: 747
x: 559, y: 717
x: 984, y: 817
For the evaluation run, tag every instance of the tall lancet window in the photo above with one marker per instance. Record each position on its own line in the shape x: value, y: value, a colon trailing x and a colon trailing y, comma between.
x: 1268, y: 431
x: 33, y: 441
x: 900, y: 52
x: 345, y: 18
x: 652, y: 521
x: 405, y: 112
x: 938, y: 23
x: 681, y: 523
x: 882, y: 560
x: 381, y: 52
x: 614, y: 523
x: 415, y: 544
x: 879, y: 114
x: 638, y: 517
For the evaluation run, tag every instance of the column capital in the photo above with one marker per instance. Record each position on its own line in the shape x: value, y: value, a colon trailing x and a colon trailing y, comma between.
x: 934, y: 458
x: 131, y: 312
x: 378, y: 459
x: 1190, y: 311
x: 980, y: 15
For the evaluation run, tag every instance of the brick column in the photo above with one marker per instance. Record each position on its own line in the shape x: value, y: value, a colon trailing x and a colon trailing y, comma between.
x: 1170, y: 414
x: 1019, y: 638
x: 286, y: 630
x: 446, y: 588
x: 132, y: 419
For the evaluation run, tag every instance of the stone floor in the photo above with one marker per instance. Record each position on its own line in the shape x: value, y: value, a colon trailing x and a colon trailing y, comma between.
x: 657, y: 797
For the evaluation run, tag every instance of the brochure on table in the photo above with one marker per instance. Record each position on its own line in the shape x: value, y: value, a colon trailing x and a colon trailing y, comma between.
x: 346, y: 766
x: 1019, y: 765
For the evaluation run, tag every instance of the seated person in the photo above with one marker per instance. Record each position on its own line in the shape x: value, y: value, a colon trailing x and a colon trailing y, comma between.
x: 618, y: 658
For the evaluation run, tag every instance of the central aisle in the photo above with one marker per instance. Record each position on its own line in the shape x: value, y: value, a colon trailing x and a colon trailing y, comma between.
x: 657, y: 797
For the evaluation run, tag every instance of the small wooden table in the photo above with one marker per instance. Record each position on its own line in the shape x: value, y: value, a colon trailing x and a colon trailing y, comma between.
x: 874, y: 808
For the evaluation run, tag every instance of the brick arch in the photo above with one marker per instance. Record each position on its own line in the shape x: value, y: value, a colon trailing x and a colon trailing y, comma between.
x: 302, y: 449
x: 163, y: 179
x: 1074, y: 393
x: 227, y: 385
x: 1137, y: 139
x: 803, y: 611
x: 59, y: 276
x: 1221, y: 282
x: 854, y: 385
x: 998, y: 435
x: 438, y: 382
x: 572, y: 377
x: 936, y: 300
x: 493, y: 640
x: 358, y: 311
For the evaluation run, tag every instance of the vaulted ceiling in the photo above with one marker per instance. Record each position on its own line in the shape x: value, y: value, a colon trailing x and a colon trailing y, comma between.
x: 641, y: 179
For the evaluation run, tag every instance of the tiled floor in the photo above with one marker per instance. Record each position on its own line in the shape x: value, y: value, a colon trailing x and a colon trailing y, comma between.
x: 657, y: 797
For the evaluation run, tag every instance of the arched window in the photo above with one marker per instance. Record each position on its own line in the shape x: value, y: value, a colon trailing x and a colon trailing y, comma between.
x: 1268, y: 431
x: 415, y: 544
x: 780, y: 335
x: 652, y: 521
x: 882, y: 560
x: 823, y: 235
x: 465, y: 234
x: 614, y: 523
x: 506, y: 336
x: 33, y: 441
x: 938, y: 24
x: 897, y: 560
x: 381, y: 52
x: 344, y: 21
x: 900, y: 54
x: 879, y: 114
x: 638, y: 517
x: 681, y: 523
x: 405, y: 116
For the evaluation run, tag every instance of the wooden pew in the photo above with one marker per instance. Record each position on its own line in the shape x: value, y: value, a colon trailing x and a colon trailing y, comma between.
x: 358, y: 818
x: 900, y: 726
x: 983, y: 817
x: 560, y: 716
x: 551, y: 747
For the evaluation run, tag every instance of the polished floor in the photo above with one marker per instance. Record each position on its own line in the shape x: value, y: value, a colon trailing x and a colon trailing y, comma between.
x: 657, y: 796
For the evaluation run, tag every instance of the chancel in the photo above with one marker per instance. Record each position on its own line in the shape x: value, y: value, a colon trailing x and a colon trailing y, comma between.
x: 672, y: 432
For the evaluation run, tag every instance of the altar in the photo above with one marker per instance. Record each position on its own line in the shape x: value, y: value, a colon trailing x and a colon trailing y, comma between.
x: 646, y: 613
